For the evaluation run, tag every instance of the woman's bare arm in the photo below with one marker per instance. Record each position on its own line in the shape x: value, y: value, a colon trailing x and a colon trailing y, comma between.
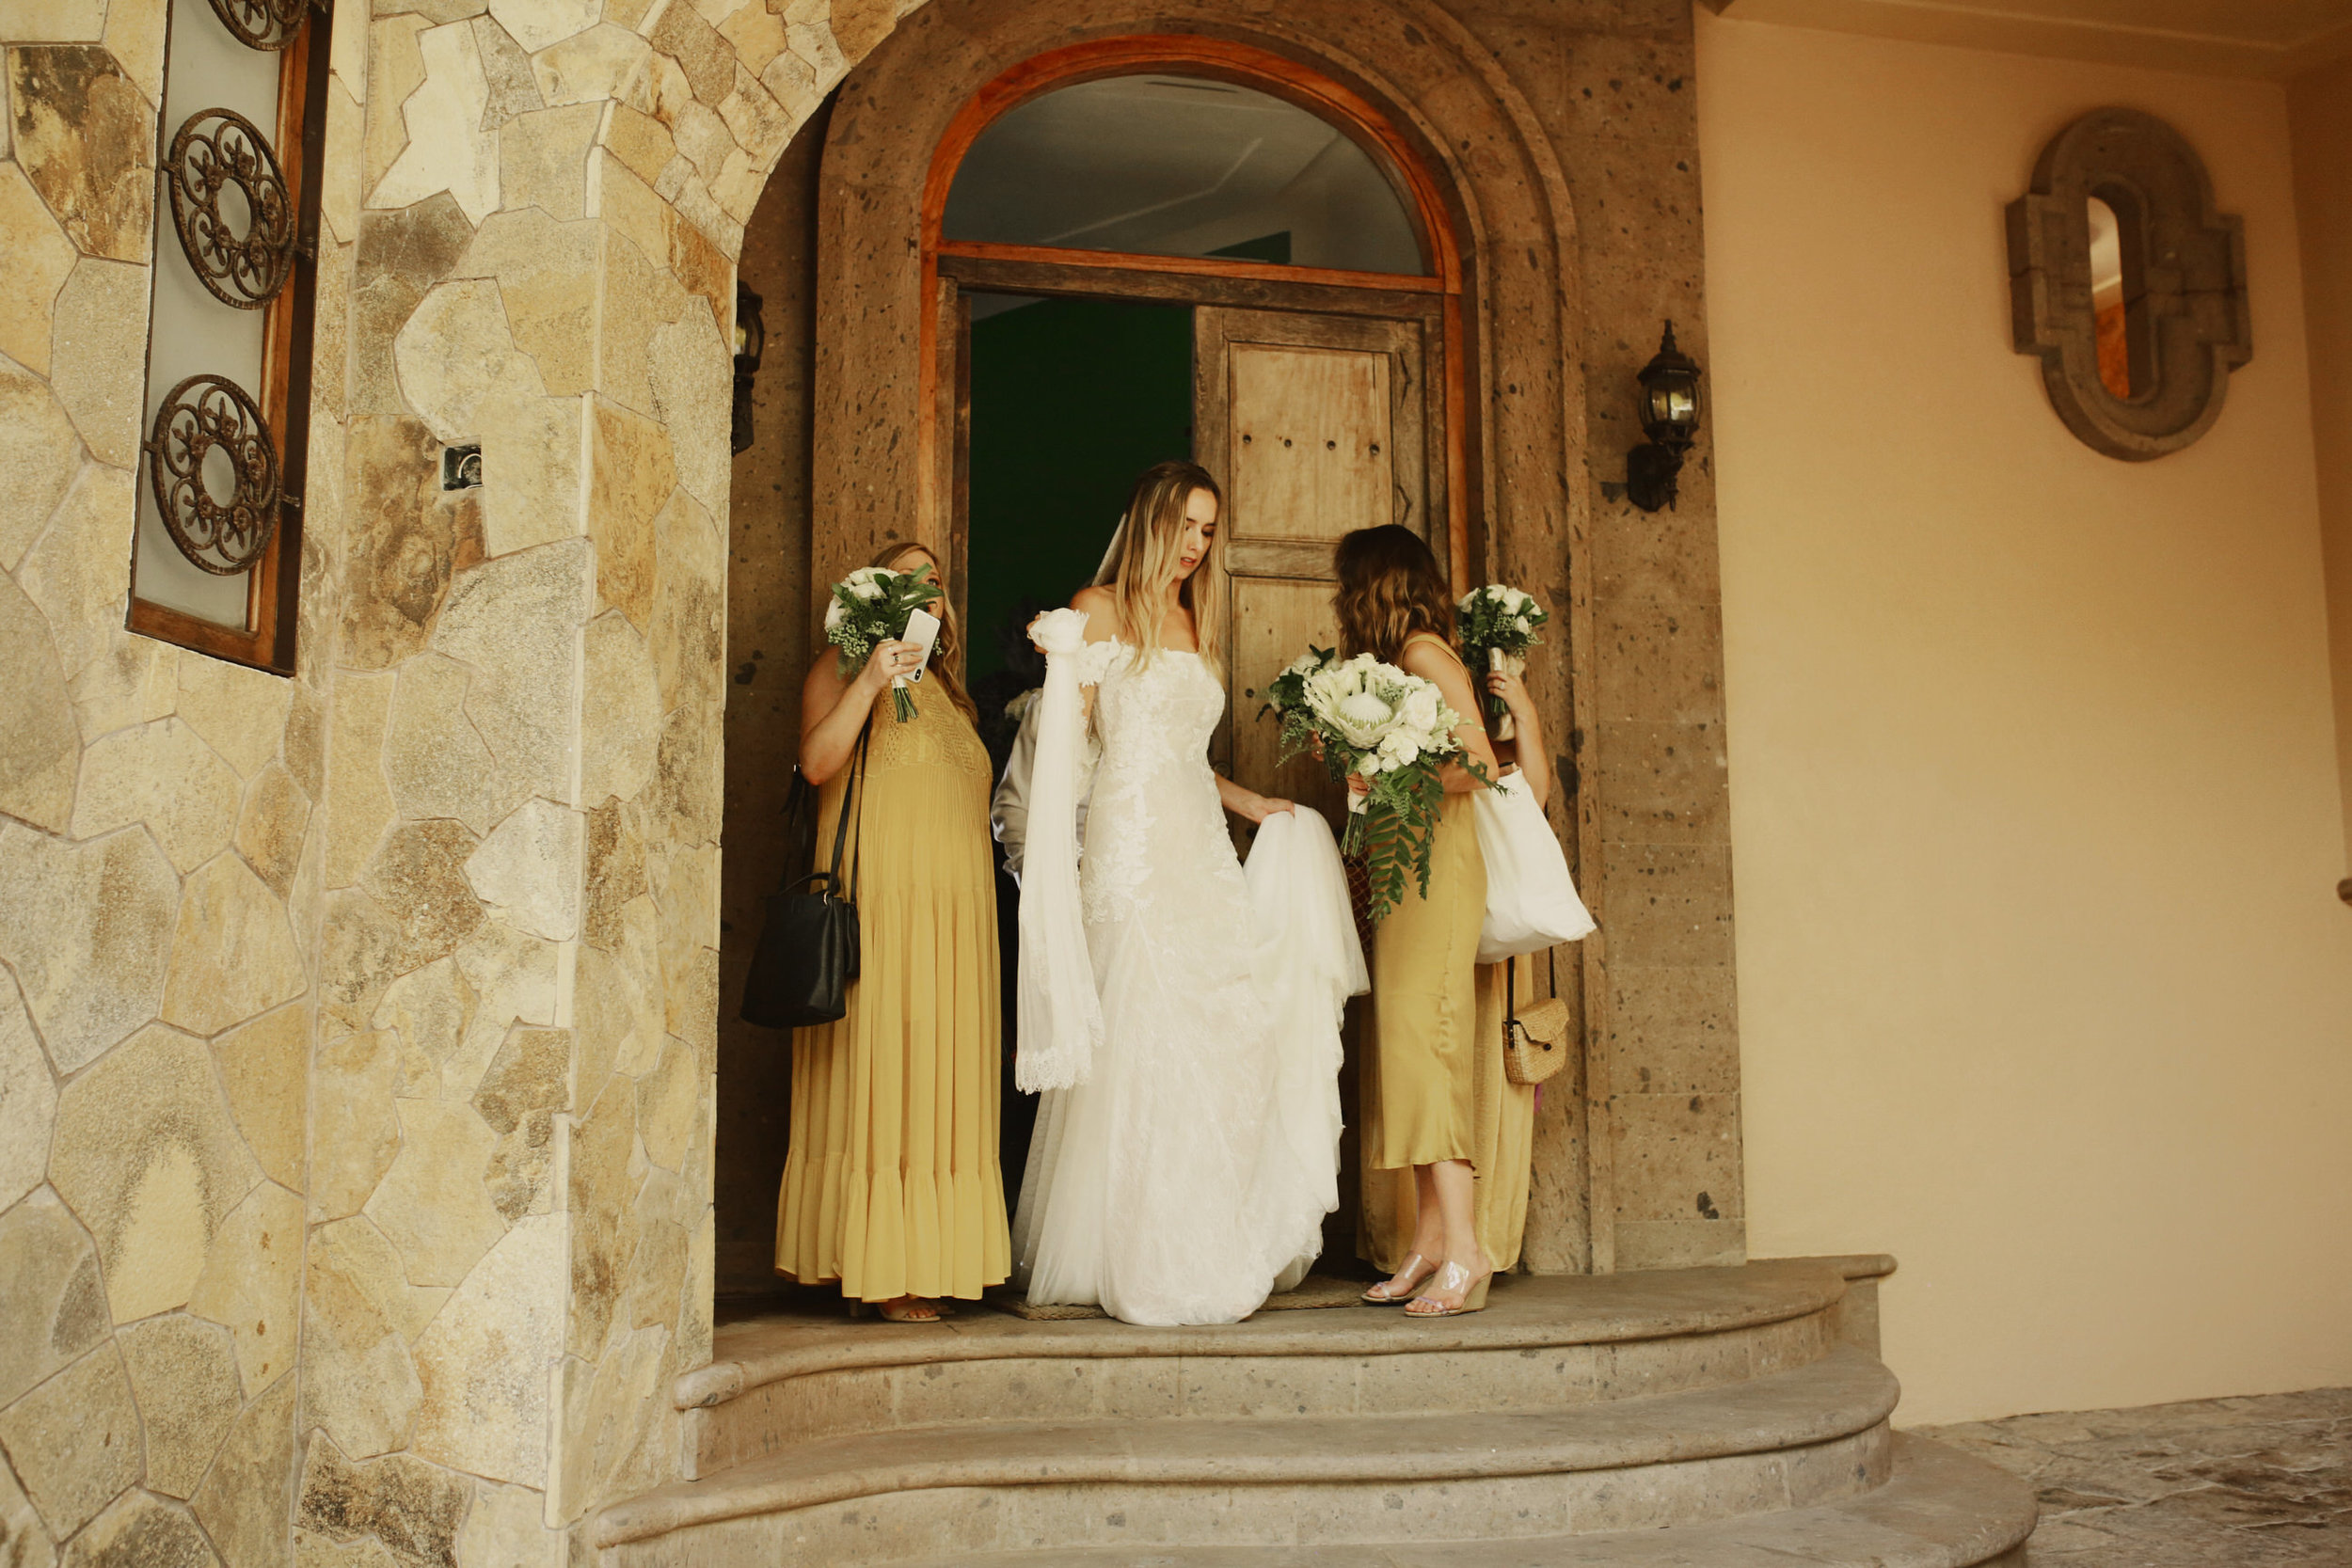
x: 1246, y: 802
x: 1100, y: 608
x: 1525, y: 747
x: 833, y: 710
x: 1432, y: 663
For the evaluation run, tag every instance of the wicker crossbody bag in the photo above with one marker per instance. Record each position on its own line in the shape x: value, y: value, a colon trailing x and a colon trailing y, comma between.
x: 1534, y: 1042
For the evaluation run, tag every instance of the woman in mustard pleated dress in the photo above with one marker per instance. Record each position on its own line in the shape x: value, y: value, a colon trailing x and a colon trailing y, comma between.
x: 891, y: 1182
x: 1437, y: 1146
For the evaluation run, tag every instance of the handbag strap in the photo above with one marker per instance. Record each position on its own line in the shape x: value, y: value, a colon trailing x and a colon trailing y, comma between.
x: 796, y: 801
x: 841, y: 820
x: 857, y: 856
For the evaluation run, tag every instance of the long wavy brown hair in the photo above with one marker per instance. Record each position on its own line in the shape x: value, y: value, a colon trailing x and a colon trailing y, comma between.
x: 1142, y: 562
x: 1390, y: 588
x: 947, y: 665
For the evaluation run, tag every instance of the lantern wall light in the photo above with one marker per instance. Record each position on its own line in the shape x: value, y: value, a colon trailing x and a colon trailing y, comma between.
x: 751, y: 340
x: 1670, y: 417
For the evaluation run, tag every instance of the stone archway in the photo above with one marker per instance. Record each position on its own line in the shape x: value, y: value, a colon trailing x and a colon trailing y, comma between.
x: 871, y: 470
x: 1581, y: 236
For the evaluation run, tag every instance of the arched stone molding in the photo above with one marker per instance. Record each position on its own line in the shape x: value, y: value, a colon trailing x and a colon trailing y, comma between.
x: 1418, y: 65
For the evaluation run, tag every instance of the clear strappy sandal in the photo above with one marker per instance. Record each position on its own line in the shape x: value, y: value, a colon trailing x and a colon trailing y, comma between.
x: 1416, y: 1270
x: 1451, y: 1278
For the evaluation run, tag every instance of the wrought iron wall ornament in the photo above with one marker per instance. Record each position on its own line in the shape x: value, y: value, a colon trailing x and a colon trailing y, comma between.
x: 270, y: 25
x: 201, y: 415
x: 2184, y: 283
x: 216, y: 151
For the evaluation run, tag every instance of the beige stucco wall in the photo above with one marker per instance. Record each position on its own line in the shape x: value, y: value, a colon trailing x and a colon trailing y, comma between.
x: 2045, y: 985
x: 2319, y: 112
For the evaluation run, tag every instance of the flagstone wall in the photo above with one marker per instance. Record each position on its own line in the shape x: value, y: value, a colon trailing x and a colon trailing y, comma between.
x: 518, y: 949
x: 356, y: 1030
x: 164, y: 867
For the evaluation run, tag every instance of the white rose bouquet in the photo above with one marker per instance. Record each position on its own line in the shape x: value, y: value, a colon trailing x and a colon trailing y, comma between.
x: 1393, y: 730
x: 869, y: 607
x: 1497, y: 626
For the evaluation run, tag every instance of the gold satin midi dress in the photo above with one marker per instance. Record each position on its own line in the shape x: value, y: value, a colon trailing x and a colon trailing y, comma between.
x: 1433, y: 1082
x: 891, y: 1181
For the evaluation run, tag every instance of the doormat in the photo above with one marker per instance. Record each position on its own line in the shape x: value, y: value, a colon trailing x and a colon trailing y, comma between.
x: 1316, y: 1290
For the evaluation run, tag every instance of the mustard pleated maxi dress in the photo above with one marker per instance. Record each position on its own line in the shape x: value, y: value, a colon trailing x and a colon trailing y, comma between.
x: 891, y: 1182
x: 1433, y: 1084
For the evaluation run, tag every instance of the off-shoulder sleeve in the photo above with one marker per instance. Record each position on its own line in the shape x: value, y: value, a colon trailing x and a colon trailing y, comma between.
x: 1096, y: 662
x: 1060, y: 1016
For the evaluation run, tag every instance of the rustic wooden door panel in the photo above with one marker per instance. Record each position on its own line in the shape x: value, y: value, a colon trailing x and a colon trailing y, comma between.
x: 1312, y: 451
x: 1275, y: 619
x: 1315, y: 425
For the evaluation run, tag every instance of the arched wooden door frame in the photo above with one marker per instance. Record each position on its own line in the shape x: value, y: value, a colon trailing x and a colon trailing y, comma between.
x: 1302, y: 288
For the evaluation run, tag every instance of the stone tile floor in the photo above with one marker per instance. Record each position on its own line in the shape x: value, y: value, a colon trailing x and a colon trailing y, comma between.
x: 2208, y: 1483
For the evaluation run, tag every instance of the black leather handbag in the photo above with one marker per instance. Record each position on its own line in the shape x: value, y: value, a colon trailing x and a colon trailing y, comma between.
x: 808, y: 943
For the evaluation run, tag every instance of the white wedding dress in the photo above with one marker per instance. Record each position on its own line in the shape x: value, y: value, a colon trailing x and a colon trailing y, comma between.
x: 1186, y: 1176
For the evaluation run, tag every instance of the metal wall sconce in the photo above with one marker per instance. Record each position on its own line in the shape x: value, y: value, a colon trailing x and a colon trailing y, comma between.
x: 751, y: 340
x: 1670, y: 417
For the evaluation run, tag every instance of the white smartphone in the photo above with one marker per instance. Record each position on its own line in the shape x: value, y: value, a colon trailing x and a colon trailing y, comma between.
x: 922, y: 628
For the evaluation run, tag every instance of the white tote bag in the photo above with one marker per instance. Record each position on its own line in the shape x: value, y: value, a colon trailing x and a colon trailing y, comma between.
x: 1531, y: 899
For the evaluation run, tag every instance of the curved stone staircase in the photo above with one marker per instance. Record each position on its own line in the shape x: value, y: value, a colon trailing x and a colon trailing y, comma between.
x: 1701, y: 1416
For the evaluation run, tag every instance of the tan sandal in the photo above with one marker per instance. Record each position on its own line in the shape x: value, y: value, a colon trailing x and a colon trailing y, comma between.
x: 1414, y: 1274
x: 900, y: 1309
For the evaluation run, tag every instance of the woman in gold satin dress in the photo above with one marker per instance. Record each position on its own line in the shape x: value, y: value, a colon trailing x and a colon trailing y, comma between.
x: 1441, y: 1161
x: 891, y: 1182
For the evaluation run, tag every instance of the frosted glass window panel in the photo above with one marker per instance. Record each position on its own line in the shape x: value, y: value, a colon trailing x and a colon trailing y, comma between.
x: 1174, y: 166
x: 191, y: 332
x: 210, y: 70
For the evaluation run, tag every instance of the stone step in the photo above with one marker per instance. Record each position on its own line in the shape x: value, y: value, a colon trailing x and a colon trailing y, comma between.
x: 1940, y: 1509
x: 1542, y: 1344
x: 1788, y: 1439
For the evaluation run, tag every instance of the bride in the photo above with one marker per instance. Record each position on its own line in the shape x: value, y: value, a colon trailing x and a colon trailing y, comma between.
x: 1187, y: 1149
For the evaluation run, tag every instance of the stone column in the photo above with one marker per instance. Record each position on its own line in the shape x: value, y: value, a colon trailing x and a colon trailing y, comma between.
x: 1614, y: 87
x: 1653, y: 765
x: 512, y: 1254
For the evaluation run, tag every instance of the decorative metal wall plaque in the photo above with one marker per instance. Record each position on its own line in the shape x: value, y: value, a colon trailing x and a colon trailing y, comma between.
x: 270, y: 25
x: 202, y: 415
x: 2182, y: 284
x: 218, y: 150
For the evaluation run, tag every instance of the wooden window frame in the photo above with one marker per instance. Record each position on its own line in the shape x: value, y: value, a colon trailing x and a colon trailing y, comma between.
x: 273, y: 592
x: 950, y: 268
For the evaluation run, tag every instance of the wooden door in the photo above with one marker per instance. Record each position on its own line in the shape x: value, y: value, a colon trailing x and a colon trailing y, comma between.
x: 1315, y: 426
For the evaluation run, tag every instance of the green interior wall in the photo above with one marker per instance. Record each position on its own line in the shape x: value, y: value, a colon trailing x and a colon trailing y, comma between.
x: 1070, y: 399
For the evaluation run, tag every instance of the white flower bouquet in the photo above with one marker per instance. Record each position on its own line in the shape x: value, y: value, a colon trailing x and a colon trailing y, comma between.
x: 870, y: 607
x: 1393, y: 730
x: 1497, y: 626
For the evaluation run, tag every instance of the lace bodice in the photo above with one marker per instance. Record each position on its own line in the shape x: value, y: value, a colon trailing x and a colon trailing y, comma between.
x: 1154, y: 792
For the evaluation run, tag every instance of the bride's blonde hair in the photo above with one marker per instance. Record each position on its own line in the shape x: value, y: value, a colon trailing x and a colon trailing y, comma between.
x: 1142, y: 562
